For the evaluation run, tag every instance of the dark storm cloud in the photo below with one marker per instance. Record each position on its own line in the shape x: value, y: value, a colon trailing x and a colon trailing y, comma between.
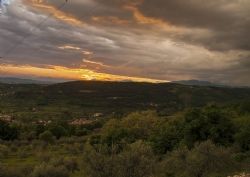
x: 226, y: 23
x: 227, y: 20
x: 86, y: 9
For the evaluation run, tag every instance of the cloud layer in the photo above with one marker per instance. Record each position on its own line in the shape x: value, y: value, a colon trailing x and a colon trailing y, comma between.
x: 157, y: 39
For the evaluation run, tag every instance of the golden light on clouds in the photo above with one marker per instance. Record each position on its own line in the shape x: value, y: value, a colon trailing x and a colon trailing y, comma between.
x: 70, y: 47
x: 85, y: 52
x: 85, y: 61
x: 57, y: 13
x: 144, y: 20
x: 109, y: 20
x: 68, y: 73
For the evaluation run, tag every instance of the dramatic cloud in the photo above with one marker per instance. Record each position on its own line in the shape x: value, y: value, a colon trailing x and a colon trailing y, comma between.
x: 125, y: 39
x: 227, y: 23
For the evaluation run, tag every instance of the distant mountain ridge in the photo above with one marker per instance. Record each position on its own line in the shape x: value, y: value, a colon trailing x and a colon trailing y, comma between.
x: 91, y: 97
x: 199, y: 83
x: 49, y: 81
x: 13, y: 80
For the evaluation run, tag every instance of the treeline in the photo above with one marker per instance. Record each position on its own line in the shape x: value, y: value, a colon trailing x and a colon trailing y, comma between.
x: 54, y: 130
x: 213, y: 141
x: 210, y: 141
x: 222, y: 126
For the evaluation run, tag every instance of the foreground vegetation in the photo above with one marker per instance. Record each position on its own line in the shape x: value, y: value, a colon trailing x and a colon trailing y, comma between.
x: 191, y: 141
x: 211, y: 141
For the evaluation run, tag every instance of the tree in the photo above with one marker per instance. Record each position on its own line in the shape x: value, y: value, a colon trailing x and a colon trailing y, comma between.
x: 58, y: 131
x: 166, y: 137
x: 204, y: 160
x: 113, y: 132
x: 208, y: 123
x: 8, y: 132
x: 140, y: 125
x: 47, y: 137
x: 39, y: 129
x: 99, y: 162
x: 136, y: 126
x: 242, y: 137
x: 136, y: 160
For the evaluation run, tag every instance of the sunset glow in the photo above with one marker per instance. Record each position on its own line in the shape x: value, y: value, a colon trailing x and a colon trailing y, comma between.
x: 41, y: 4
x: 68, y: 73
x: 139, y: 40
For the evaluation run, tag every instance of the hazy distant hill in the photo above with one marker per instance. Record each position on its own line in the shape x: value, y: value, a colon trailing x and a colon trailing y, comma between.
x: 87, y: 97
x: 198, y: 83
x: 13, y: 80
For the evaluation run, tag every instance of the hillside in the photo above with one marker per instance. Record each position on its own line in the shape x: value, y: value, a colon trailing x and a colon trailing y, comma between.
x: 13, y: 80
x: 81, y: 98
x: 70, y: 129
x: 198, y: 83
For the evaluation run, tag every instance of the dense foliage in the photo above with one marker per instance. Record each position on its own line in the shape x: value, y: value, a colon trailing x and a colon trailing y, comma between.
x: 188, y: 141
x: 8, y: 132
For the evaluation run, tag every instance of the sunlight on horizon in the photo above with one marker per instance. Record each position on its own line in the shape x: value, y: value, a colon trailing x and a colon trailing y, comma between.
x: 59, y: 72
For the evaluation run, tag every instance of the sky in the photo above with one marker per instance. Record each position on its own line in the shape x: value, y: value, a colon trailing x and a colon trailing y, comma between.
x: 127, y: 40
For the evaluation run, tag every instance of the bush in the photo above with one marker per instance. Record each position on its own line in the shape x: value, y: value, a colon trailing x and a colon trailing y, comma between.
x: 208, y: 124
x: 136, y: 160
x: 69, y: 163
x: 242, y: 137
x: 204, y: 160
x: 58, y: 131
x: 8, y: 132
x: 135, y: 126
x: 166, y: 137
x: 22, y: 153
x: 44, y: 157
x: 47, y: 137
x: 4, y: 151
x: 44, y: 170
x: 23, y: 171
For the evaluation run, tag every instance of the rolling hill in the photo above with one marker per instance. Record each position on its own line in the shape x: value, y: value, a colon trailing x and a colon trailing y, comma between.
x: 198, y: 83
x: 13, y: 80
x: 84, y: 98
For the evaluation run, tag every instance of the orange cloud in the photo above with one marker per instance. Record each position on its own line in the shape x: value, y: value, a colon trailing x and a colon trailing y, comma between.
x: 110, y: 20
x: 85, y: 61
x: 85, y: 52
x: 144, y: 20
x: 67, y: 73
x: 70, y: 47
x: 41, y: 4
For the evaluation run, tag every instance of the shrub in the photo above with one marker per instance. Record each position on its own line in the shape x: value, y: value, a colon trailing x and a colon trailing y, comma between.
x: 23, y: 171
x: 58, y: 131
x: 47, y: 137
x: 242, y: 137
x: 44, y: 170
x: 8, y: 132
x: 166, y: 137
x: 135, y: 126
x: 204, y: 160
x: 69, y: 163
x: 4, y: 151
x: 136, y: 160
x: 208, y: 124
